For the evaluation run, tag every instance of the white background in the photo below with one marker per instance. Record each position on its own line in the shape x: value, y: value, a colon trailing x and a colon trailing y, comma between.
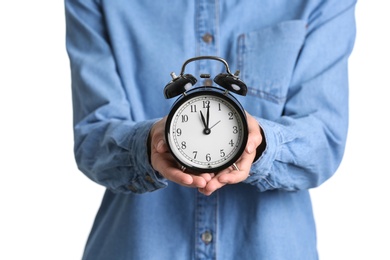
x: 47, y: 206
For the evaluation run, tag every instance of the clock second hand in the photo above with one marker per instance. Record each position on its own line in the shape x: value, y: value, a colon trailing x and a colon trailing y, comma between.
x: 214, y: 124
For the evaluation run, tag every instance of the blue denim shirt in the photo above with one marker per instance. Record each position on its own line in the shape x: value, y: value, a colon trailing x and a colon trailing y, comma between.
x: 293, y: 57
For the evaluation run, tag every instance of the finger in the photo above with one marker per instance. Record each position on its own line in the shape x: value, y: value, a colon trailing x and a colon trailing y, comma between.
x: 167, y: 167
x: 231, y: 175
x: 161, y: 146
x: 187, y: 180
x: 213, y: 185
x: 207, y: 176
x: 254, y: 134
x: 199, y: 181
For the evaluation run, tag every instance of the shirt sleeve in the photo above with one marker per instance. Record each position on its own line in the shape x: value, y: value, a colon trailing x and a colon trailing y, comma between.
x: 306, y: 144
x: 110, y: 146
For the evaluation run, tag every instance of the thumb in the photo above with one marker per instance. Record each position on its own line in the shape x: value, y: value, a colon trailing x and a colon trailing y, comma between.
x: 161, y: 146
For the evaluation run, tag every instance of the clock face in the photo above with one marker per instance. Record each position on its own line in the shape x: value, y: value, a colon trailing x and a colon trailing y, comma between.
x: 207, y: 131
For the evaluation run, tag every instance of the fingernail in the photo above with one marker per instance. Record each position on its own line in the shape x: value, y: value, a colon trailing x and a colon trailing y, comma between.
x: 159, y: 145
x: 249, y: 148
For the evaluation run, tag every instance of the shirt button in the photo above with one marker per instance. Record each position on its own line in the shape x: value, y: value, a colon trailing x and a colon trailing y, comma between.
x: 149, y: 179
x: 207, y: 237
x: 208, y: 82
x: 207, y: 38
x: 132, y: 188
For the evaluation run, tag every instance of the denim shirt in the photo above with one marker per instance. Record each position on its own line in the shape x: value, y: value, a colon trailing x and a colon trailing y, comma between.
x: 293, y: 56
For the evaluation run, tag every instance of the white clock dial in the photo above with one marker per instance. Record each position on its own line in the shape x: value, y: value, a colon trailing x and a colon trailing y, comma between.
x: 207, y: 132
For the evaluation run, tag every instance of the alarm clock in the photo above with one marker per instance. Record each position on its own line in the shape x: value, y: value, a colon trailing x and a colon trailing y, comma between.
x: 206, y: 129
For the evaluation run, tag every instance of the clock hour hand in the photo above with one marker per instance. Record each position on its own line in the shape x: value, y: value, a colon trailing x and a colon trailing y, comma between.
x: 206, y: 129
x: 203, y: 120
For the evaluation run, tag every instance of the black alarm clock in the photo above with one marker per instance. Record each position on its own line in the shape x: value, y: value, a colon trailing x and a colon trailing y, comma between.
x: 206, y: 129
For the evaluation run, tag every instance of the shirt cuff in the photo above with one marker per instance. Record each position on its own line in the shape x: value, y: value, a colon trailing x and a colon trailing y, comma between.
x: 260, y: 174
x: 145, y: 178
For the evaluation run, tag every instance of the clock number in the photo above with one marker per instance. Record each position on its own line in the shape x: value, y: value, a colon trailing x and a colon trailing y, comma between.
x: 219, y: 106
x: 184, y: 118
x: 195, y: 154
x: 231, y: 143
x: 230, y: 115
x: 208, y: 157
x: 235, y: 129
x: 178, y: 132
x: 193, y: 108
x: 206, y: 104
x: 183, y: 145
x: 222, y: 153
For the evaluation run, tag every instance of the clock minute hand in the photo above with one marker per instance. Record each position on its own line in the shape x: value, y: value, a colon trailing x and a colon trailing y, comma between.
x: 208, y: 116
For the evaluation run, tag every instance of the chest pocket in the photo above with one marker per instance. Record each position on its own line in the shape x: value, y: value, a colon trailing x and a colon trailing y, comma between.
x: 267, y: 59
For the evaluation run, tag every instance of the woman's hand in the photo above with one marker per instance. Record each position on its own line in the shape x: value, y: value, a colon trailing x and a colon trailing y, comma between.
x: 234, y: 175
x: 164, y: 163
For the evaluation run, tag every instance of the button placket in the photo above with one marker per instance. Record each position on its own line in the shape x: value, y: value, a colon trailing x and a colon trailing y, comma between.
x: 206, y: 225
x: 207, y: 22
x: 207, y: 35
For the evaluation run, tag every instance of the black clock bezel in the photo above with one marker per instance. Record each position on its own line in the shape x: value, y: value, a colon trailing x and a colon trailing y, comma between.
x: 223, y: 94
